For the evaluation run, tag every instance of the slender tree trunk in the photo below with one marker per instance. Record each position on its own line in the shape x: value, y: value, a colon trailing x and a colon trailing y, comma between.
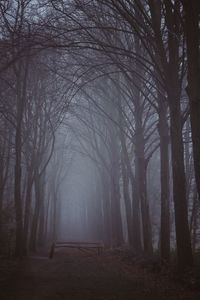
x: 41, y: 229
x: 141, y: 200
x: 1, y: 203
x: 27, y: 211
x: 137, y: 240
x: 21, y: 88
x: 125, y: 165
x: 98, y: 211
x: 35, y: 221
x: 46, y: 231
x: 140, y: 176
x: 134, y: 215
x: 116, y: 220
x: 188, y: 169
x: 54, y: 206
x: 164, y: 179
x: 132, y: 207
x: 193, y: 219
x: 17, y: 189
x: 135, y: 207
x: 127, y: 202
x: 184, y: 250
x: 106, y: 209
x: 3, y: 179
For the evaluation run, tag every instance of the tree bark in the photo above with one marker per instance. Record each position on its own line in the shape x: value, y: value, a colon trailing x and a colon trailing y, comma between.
x: 116, y: 219
x: 132, y: 208
x: 140, y: 177
x: 164, y: 180
x: 127, y: 202
x: 17, y: 187
x: 106, y: 209
x: 192, y: 14
x: 27, y: 212
x: 35, y: 221
x: 184, y: 250
x: 1, y: 200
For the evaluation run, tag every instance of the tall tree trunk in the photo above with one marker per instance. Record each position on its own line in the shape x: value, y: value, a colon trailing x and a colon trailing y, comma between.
x: 170, y: 63
x: 127, y: 202
x: 27, y: 211
x: 192, y: 14
x: 54, y: 213
x: 21, y: 72
x: 35, y: 221
x: 46, y: 230
x: 193, y: 219
x: 106, y: 209
x: 116, y: 220
x: 132, y: 207
x: 1, y: 211
x: 137, y: 240
x: 184, y: 250
x: 140, y: 177
x: 188, y: 170
x: 98, y: 211
x: 125, y: 165
x: 17, y: 188
x: 41, y: 229
x: 1, y: 201
x: 164, y: 179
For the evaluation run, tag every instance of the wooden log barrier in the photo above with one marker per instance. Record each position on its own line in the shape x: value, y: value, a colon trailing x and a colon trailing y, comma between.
x: 98, y: 246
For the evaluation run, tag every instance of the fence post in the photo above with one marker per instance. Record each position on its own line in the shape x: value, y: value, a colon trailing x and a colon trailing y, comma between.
x: 51, y: 253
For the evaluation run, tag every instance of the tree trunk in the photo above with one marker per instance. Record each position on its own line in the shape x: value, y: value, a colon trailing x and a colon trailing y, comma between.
x: 184, y: 250
x: 1, y: 203
x: 98, y: 211
x: 17, y: 188
x: 21, y: 88
x: 164, y: 179
x: 106, y: 209
x: 140, y: 177
x: 27, y: 211
x: 116, y: 221
x: 170, y: 63
x: 127, y: 202
x: 194, y: 219
x: 192, y: 10
x: 116, y: 218
x: 132, y: 207
x: 41, y: 229
x: 137, y: 240
x: 35, y: 221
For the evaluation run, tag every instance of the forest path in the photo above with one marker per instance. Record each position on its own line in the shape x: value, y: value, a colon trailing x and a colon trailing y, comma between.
x: 79, y: 276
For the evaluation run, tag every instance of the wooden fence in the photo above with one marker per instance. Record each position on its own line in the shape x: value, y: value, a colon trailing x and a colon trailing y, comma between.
x: 82, y: 246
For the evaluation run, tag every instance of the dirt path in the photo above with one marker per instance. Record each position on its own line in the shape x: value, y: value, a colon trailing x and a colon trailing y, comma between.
x: 81, y: 277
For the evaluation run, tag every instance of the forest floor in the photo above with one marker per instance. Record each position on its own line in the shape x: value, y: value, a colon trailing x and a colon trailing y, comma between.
x: 73, y: 275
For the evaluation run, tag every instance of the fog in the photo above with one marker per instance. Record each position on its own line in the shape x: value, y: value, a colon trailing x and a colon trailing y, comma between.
x: 75, y: 196
x: 99, y: 133
x: 99, y: 149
